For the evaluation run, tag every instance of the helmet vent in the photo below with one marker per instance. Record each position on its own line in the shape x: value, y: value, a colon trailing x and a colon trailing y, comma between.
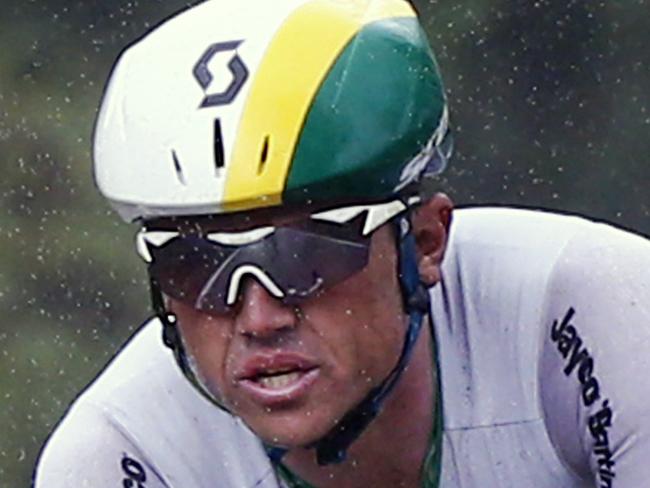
x: 177, y: 167
x: 218, y: 145
x: 264, y: 156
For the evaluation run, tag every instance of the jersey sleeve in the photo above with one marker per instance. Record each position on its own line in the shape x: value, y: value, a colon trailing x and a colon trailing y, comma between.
x: 88, y: 449
x: 594, y: 370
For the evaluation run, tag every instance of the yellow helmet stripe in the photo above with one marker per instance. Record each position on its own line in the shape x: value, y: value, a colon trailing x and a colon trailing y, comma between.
x: 296, y: 62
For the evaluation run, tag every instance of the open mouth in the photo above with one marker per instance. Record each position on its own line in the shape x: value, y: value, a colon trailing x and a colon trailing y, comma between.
x: 280, y: 378
x: 273, y: 385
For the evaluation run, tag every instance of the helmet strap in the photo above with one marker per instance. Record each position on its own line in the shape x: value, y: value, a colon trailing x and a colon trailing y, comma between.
x: 332, y: 448
x: 171, y: 339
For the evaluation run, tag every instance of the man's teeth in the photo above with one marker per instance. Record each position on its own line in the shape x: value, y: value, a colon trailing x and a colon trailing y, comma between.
x: 278, y: 381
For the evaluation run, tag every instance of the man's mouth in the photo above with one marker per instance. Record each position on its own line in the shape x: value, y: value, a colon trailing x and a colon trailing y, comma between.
x: 277, y: 380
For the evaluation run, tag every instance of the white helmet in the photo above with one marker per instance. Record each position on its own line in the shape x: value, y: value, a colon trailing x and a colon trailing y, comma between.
x: 234, y: 105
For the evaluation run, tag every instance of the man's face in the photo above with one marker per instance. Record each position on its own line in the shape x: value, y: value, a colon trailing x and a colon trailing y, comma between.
x: 292, y: 372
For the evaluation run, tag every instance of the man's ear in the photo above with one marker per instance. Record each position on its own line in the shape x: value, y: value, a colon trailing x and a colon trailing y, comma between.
x: 431, y: 222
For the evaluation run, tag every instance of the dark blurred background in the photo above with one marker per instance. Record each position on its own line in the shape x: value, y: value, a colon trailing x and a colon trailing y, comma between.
x: 549, y: 101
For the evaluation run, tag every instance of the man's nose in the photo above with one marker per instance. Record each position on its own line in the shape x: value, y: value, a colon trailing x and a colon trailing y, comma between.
x: 261, y: 314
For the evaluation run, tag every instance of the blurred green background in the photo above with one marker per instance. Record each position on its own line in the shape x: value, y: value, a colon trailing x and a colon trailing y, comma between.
x: 549, y: 101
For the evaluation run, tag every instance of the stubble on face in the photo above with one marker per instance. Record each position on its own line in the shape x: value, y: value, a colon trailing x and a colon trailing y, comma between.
x: 350, y: 334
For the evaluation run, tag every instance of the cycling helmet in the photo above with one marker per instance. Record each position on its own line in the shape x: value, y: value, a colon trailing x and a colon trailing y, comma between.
x: 232, y: 106
x: 239, y: 105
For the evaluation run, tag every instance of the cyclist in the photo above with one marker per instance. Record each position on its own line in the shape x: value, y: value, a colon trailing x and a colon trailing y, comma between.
x: 323, y: 321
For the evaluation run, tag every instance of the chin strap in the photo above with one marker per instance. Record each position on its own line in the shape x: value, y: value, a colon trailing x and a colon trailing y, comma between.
x: 332, y: 448
x: 172, y: 339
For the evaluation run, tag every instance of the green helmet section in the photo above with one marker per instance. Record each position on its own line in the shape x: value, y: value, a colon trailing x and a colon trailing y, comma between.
x: 377, y: 109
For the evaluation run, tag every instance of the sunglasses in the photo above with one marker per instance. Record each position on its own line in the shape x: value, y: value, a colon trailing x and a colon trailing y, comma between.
x: 206, y: 270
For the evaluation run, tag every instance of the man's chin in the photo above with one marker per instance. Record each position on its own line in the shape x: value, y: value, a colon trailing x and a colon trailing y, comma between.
x: 290, y: 432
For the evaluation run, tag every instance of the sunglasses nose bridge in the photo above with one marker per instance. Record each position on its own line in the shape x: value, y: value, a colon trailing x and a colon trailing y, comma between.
x: 243, y: 274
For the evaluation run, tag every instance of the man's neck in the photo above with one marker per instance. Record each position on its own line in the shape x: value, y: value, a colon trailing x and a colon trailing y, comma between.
x: 391, y: 451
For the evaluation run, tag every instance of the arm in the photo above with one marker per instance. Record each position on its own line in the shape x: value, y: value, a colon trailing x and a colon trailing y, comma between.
x: 595, y: 365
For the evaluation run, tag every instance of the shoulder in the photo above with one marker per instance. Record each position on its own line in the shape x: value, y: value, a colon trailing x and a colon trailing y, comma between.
x: 509, y: 226
x: 88, y: 449
x: 596, y: 351
x: 557, y: 301
x: 139, y: 372
x: 600, y: 279
x: 498, y: 264
x: 488, y: 310
x: 545, y: 250
x: 95, y: 442
x: 141, y: 418
x: 511, y: 246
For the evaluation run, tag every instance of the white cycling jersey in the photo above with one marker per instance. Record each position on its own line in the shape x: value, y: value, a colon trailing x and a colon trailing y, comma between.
x: 543, y: 330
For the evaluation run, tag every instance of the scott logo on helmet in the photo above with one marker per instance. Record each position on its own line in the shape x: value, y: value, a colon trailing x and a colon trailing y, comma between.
x: 204, y: 76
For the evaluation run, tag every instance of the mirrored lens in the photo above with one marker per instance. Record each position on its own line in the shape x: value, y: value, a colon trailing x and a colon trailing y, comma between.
x: 293, y: 264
